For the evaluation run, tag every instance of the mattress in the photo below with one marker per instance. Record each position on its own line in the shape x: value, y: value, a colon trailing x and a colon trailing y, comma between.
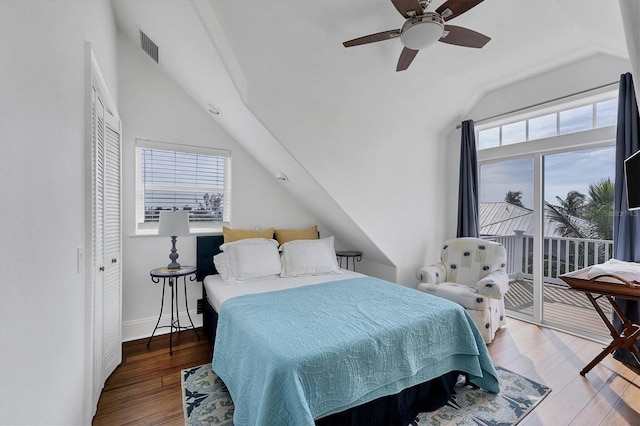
x: 218, y: 292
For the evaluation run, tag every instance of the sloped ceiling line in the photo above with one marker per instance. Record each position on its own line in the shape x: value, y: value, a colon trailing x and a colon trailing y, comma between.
x: 304, y: 184
x: 190, y: 38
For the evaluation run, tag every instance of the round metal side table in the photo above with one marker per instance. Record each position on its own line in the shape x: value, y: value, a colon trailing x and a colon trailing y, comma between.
x: 171, y: 277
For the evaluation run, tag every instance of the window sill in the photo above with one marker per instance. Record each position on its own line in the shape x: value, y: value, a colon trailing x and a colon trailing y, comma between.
x: 192, y: 233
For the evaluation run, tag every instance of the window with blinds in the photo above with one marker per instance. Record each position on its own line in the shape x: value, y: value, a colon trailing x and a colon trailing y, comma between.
x: 171, y: 177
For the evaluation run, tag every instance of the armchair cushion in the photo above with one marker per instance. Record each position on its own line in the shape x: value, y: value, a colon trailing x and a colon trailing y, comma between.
x: 434, y: 274
x: 468, y: 260
x: 494, y: 285
x: 461, y: 294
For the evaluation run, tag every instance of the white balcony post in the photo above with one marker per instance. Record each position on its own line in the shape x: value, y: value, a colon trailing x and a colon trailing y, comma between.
x: 519, y: 261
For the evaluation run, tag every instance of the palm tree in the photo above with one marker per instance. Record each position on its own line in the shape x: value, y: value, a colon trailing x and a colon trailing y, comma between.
x: 566, y: 215
x: 574, y: 203
x: 599, y: 209
x: 597, y: 212
x: 514, y: 197
x: 580, y: 219
x: 568, y: 225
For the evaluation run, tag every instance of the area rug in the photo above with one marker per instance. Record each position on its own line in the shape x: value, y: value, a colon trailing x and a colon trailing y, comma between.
x: 206, y: 401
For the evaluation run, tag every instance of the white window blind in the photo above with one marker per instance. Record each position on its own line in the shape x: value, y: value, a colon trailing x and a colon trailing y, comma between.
x: 181, y: 177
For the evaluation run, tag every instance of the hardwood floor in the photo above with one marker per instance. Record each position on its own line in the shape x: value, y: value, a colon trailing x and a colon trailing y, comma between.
x: 608, y: 395
x: 146, y: 390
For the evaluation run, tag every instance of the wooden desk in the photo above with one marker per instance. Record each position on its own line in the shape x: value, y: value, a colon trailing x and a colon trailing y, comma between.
x: 608, y: 286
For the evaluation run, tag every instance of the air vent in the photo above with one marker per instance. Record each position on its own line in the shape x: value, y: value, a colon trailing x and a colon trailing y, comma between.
x: 149, y: 46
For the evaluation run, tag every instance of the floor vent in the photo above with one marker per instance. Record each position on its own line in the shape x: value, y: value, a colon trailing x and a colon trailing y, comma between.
x: 149, y: 46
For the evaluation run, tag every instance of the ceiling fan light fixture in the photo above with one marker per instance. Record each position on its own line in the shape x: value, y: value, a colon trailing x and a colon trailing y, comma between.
x: 419, y: 32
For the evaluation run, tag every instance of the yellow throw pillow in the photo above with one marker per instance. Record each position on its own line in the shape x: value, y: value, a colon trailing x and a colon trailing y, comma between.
x: 231, y: 234
x: 286, y: 235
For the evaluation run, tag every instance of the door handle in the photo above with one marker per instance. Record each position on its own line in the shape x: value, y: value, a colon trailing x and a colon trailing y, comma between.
x: 102, y: 269
x: 114, y: 260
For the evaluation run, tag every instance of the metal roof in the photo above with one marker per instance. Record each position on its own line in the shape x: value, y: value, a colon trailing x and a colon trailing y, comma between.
x: 502, y: 218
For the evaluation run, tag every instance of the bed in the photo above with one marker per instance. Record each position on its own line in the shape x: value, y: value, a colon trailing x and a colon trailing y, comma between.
x: 336, y: 349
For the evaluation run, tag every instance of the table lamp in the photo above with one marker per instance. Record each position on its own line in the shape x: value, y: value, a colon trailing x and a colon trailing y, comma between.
x: 172, y: 224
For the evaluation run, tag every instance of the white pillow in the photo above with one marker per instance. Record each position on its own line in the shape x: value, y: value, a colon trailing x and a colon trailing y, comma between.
x: 221, y: 262
x: 309, y: 257
x: 248, y: 259
x: 248, y: 241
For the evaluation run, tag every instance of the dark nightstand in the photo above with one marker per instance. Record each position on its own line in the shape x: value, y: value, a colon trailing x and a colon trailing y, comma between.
x: 354, y: 255
x: 171, y: 277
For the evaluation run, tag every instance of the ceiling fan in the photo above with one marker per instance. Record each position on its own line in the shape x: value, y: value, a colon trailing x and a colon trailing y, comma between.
x: 423, y: 28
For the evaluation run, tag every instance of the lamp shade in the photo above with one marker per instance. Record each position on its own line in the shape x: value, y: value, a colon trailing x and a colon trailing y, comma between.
x: 174, y: 223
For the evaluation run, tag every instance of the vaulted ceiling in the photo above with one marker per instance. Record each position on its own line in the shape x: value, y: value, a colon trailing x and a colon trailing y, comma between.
x: 360, y: 142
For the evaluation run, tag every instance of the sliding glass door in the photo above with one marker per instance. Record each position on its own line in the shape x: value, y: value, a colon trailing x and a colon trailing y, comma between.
x: 578, y: 232
x: 546, y: 193
x: 507, y: 215
x: 554, y: 214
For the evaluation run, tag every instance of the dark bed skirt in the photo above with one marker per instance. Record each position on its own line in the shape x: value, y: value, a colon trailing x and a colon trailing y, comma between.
x: 399, y: 409
x: 209, y: 319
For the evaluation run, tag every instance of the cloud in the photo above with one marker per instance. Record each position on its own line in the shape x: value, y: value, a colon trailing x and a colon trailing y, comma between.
x: 564, y: 172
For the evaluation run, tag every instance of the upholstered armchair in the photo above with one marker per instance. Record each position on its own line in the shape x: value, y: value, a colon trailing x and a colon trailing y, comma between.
x: 471, y: 272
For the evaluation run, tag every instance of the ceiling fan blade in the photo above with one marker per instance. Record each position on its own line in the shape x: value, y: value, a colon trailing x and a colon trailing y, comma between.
x: 405, y: 7
x: 406, y: 57
x: 461, y: 36
x: 452, y: 8
x: 371, y: 38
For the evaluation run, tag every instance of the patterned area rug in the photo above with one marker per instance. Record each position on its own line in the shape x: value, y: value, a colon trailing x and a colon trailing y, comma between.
x: 206, y: 401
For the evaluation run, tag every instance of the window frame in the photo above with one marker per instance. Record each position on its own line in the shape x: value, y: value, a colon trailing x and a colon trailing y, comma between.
x: 537, y: 150
x: 151, y: 228
x: 555, y: 107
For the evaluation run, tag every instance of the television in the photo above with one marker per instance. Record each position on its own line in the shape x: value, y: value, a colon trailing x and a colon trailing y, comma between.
x: 632, y: 178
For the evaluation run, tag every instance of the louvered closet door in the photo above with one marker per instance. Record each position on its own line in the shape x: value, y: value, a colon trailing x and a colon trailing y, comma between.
x: 97, y: 241
x: 106, y: 244
x: 112, y: 294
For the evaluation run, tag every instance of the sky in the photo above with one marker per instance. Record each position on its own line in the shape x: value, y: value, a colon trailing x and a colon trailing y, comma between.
x: 563, y: 173
x: 570, y: 171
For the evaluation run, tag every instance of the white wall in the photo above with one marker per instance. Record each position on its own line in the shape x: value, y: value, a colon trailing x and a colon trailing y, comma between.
x: 630, y: 11
x: 153, y: 107
x: 42, y: 113
x: 385, y: 171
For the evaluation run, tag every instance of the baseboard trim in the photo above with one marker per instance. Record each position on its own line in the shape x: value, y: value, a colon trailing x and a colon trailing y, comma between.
x: 142, y: 328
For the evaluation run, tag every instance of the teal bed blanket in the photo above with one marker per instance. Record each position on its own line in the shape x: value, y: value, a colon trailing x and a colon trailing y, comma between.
x: 295, y: 355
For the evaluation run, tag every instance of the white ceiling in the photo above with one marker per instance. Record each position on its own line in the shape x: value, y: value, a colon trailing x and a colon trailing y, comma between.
x: 294, y: 47
x: 294, y: 97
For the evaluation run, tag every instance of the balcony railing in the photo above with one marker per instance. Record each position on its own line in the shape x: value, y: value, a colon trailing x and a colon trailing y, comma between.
x: 560, y: 255
x: 561, y: 306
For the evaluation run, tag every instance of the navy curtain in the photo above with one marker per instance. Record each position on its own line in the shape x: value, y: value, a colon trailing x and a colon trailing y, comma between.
x: 468, y: 186
x: 626, y: 224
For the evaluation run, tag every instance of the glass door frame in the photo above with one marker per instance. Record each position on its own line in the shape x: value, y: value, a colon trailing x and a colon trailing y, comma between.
x: 537, y: 150
x: 538, y: 237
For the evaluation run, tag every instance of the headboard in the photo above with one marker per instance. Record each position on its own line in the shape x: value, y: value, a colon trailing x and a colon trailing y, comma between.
x: 207, y: 246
